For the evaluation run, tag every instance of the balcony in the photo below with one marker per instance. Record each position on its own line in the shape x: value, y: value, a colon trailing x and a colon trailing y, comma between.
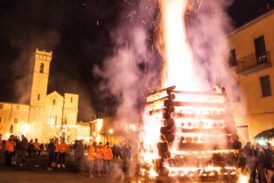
x: 253, y: 63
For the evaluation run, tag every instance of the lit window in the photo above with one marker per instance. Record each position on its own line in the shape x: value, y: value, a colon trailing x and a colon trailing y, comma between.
x: 42, y: 65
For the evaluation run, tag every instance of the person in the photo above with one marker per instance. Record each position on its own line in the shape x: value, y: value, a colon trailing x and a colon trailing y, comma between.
x: 126, y: 157
x: 22, y: 150
x: 62, y: 149
x: 269, y: 163
x: 1, y: 147
x: 115, y: 151
x: 56, y: 152
x: 51, y: 151
x: 41, y: 148
x: 100, y: 158
x: 250, y: 161
x: 107, y: 158
x: 36, y: 146
x: 10, y: 147
x: 260, y: 160
x: 30, y: 148
x: 78, y: 153
x: 91, y: 158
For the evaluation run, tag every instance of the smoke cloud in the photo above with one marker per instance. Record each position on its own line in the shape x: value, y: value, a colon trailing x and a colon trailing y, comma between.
x: 129, y: 72
x: 208, y: 26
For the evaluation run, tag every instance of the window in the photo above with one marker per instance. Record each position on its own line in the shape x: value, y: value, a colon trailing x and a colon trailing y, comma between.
x: 71, y: 99
x: 42, y: 65
x: 15, y: 120
x: 1, y: 106
x: 53, y: 102
x: 38, y: 97
x: 265, y: 86
x: 1, y: 119
x: 232, y: 58
x: 260, y: 50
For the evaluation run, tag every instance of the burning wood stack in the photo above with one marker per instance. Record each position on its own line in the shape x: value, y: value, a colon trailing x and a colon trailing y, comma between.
x: 197, y: 140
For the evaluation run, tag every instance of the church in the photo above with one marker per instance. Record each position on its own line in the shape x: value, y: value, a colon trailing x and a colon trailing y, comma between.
x: 47, y: 115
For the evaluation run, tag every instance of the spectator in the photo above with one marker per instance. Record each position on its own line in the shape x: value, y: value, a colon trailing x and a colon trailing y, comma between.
x: 126, y: 157
x: 107, y: 158
x: 36, y: 146
x: 22, y: 150
x: 100, y: 158
x: 30, y: 148
x: 62, y: 148
x: 260, y: 160
x: 51, y: 151
x: 56, y: 152
x: 1, y: 147
x: 250, y: 161
x: 91, y: 158
x: 78, y: 153
x: 10, y: 147
x: 269, y: 163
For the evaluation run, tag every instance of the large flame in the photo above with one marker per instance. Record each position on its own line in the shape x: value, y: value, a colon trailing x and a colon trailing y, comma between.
x: 199, y: 117
x: 178, y: 57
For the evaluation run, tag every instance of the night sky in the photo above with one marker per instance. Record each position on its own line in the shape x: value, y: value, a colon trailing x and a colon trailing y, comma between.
x: 78, y: 33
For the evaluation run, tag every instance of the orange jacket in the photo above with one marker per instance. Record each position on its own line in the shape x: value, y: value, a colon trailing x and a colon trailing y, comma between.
x: 10, y: 146
x: 36, y: 145
x: 91, y: 153
x: 56, y: 147
x: 100, y: 153
x: 108, y: 153
x: 62, y: 148
x: 1, y: 144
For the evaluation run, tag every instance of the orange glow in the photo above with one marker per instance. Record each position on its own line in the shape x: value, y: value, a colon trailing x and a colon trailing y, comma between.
x: 178, y: 64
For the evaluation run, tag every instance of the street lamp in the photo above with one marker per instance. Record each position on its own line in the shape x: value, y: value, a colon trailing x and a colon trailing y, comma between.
x: 110, y: 132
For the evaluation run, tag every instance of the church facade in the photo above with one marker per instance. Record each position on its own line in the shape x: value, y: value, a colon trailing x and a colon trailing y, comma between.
x: 47, y: 115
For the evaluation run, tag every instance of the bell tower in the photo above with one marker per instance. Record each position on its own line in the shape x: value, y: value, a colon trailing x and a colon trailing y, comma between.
x: 39, y: 86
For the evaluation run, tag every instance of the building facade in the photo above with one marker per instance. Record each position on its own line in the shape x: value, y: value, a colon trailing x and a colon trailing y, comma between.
x: 48, y: 114
x: 251, y: 55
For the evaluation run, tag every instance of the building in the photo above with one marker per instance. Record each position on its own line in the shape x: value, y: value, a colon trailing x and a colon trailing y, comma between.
x: 251, y: 55
x: 48, y: 114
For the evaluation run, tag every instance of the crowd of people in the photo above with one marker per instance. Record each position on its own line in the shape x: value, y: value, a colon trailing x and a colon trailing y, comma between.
x: 258, y: 161
x: 16, y: 149
x: 97, y: 157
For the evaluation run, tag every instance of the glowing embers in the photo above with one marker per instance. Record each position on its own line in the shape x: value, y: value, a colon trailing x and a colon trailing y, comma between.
x: 198, y: 97
x: 186, y: 124
x: 187, y: 135
x: 199, y: 138
x: 198, y: 110
x: 204, y: 174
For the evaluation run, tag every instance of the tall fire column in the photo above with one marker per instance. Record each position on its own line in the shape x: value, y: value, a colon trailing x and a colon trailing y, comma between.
x: 197, y: 139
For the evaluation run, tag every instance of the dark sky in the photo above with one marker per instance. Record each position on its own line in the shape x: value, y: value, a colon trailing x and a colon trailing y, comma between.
x: 78, y: 33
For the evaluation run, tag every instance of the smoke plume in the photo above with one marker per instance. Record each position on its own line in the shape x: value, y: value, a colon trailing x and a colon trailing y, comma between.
x: 207, y: 27
x: 128, y: 72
